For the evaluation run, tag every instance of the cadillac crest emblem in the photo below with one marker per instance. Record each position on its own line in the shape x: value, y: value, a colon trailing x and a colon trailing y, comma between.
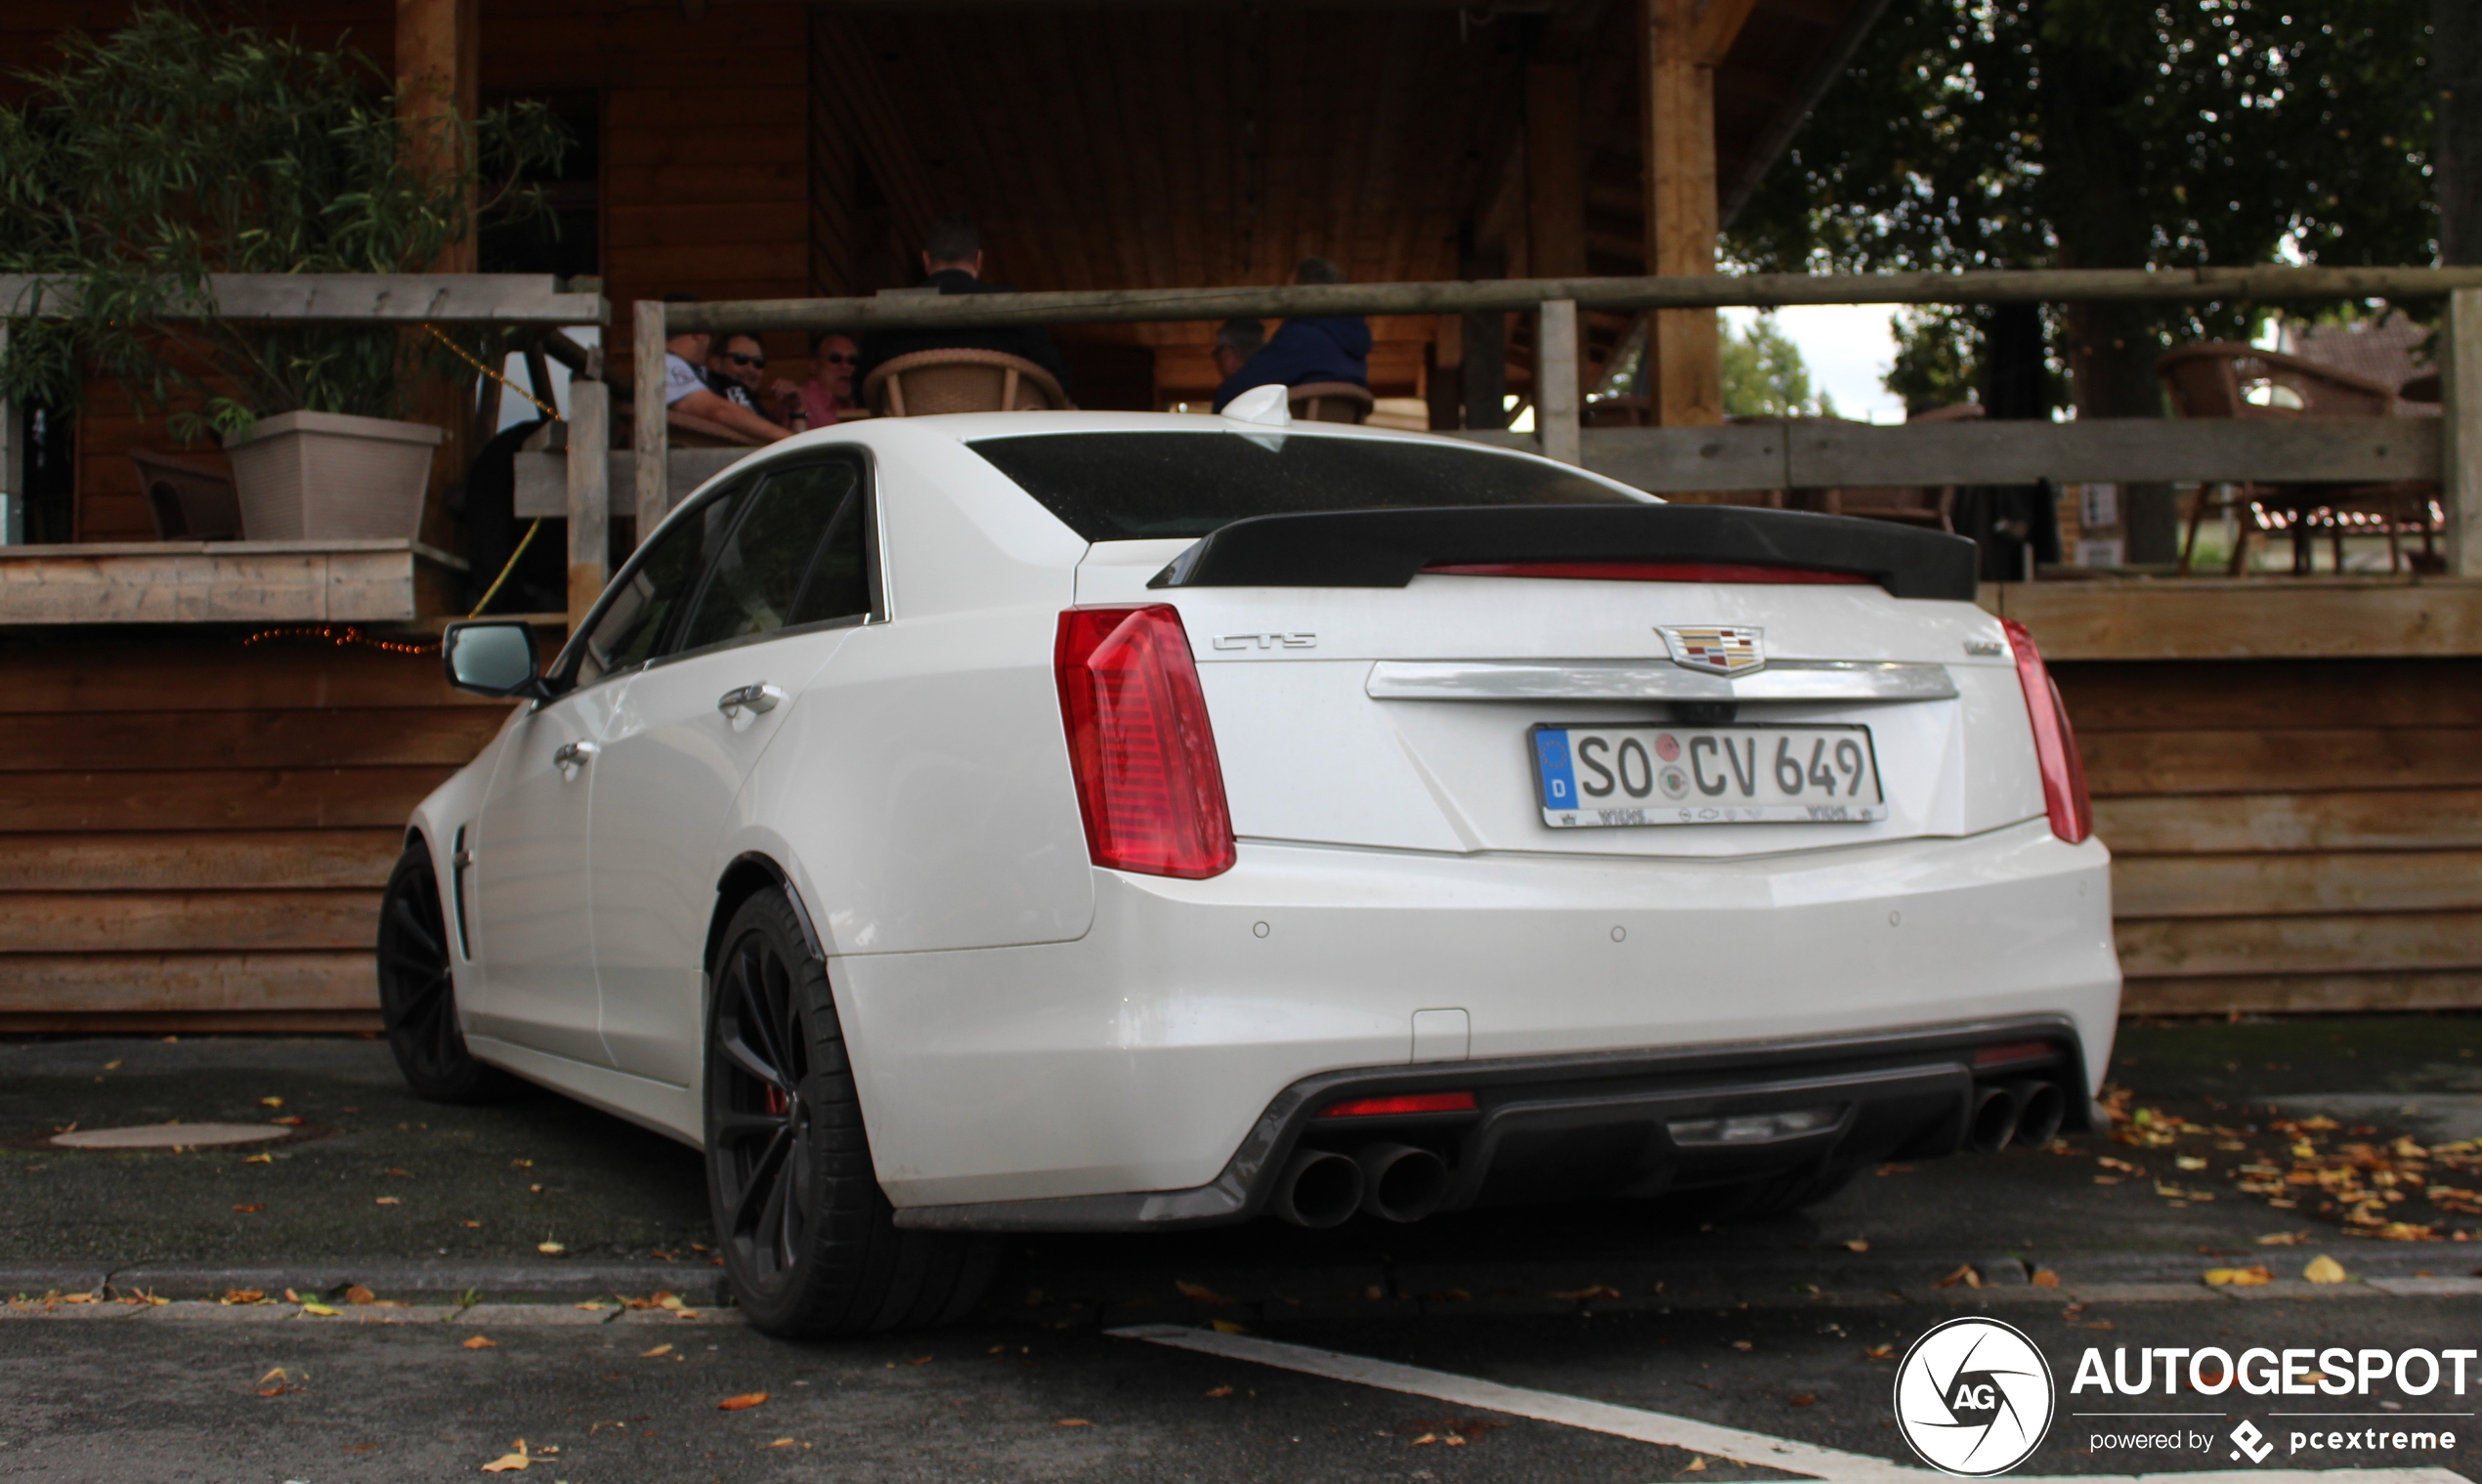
x: 1717, y: 650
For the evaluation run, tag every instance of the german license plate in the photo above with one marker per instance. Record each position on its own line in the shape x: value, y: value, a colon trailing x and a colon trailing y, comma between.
x: 1588, y: 776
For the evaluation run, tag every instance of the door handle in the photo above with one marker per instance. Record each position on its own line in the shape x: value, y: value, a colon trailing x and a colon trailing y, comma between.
x: 748, y: 699
x: 574, y: 756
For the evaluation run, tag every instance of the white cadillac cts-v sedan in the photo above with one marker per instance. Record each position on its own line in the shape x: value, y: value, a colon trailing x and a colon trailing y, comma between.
x: 957, y: 825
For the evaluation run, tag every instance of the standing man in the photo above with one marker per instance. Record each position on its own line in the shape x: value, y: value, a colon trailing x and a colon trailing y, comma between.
x: 952, y: 263
x: 685, y: 386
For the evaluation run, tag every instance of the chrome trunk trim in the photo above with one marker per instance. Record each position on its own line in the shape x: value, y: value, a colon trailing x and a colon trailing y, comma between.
x: 1654, y: 680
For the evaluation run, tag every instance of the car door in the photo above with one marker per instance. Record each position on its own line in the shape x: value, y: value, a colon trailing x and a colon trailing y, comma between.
x: 784, y: 585
x: 532, y: 901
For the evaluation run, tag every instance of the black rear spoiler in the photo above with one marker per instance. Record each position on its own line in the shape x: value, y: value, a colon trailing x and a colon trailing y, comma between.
x: 1386, y: 548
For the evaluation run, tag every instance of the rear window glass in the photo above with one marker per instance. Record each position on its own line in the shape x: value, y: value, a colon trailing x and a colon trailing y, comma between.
x: 1138, y: 486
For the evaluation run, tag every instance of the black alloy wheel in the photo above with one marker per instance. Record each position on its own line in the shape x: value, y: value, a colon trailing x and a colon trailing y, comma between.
x: 810, y: 1243
x: 418, y: 991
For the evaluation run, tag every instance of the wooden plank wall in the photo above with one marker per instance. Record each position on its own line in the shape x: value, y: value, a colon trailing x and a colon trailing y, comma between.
x: 193, y: 835
x: 2289, y: 835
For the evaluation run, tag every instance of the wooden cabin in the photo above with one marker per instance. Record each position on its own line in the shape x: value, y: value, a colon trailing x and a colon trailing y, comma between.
x: 207, y: 753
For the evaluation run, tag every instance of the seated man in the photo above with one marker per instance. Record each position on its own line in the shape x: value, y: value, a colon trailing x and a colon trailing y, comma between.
x: 1236, y: 341
x: 826, y: 398
x: 685, y: 387
x: 734, y: 371
x: 1304, y: 351
x: 952, y: 260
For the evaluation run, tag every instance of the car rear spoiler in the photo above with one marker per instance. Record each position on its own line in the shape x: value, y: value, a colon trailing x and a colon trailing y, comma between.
x: 1386, y: 548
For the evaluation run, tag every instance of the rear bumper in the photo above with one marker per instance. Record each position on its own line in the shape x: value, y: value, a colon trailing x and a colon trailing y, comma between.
x: 1549, y: 1128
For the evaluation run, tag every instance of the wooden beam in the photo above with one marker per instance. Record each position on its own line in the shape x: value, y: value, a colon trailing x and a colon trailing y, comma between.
x: 217, y: 582
x: 653, y: 437
x: 2378, y: 819
x: 1677, y: 115
x: 589, y: 494
x: 353, y: 299
x: 1555, y: 174
x: 2461, y: 483
x: 1715, y: 30
x: 2246, y: 619
x: 2302, y: 994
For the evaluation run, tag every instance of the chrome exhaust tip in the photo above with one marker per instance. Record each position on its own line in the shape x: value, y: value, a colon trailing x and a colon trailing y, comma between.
x: 1400, y: 1182
x: 1318, y: 1189
x: 1993, y: 1121
x: 2040, y: 1108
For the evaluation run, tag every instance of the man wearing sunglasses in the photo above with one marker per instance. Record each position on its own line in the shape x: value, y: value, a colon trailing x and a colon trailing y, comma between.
x: 735, y: 369
x: 821, y: 402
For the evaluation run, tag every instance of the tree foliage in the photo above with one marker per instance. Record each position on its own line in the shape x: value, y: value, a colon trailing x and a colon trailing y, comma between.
x: 2112, y: 134
x: 170, y: 149
x: 1765, y: 376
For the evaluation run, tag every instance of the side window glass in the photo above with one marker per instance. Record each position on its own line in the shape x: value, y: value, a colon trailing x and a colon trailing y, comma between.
x: 650, y: 599
x: 767, y: 571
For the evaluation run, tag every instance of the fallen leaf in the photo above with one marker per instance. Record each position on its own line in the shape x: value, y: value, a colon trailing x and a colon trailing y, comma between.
x: 1072, y: 1421
x: 288, y: 1121
x: 2044, y: 1277
x: 1592, y: 1290
x: 651, y: 1354
x: 2191, y: 1162
x: 1804, y: 1399
x: 1228, y: 1327
x: 2323, y: 1269
x: 523, y: 1163
x: 2284, y: 1239
x: 113, y: 1066
x: 920, y: 1360
x: 1742, y: 1345
x: 1199, y: 1293
x: 359, y: 1295
x: 2238, y: 1277
x: 1857, y: 1245
x: 1696, y: 1465
x: 244, y: 1295
x: 322, y: 1309
x: 550, y: 1249
x: 592, y: 1306
x: 277, y: 1375
x: 1879, y: 1352
x: 387, y: 1201
x: 252, y: 1207
x: 1453, y: 1441
x: 270, y: 1102
x: 1964, y: 1274
x: 741, y: 1402
x: 473, y: 1226
x: 785, y: 1443
x: 1427, y: 1437
x: 264, y: 1159
x: 515, y: 1461
x: 481, y: 1343
x: 1220, y: 1391
x: 675, y: 1303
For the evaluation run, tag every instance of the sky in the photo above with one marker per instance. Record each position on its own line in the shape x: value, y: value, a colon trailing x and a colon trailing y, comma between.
x: 1848, y: 348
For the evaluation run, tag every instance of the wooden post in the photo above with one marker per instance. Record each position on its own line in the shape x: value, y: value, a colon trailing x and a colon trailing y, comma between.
x: 1555, y: 174
x: 1679, y: 49
x: 12, y: 465
x: 2460, y: 453
x: 1556, y: 382
x: 654, y: 441
x: 589, y: 493
x: 439, y: 52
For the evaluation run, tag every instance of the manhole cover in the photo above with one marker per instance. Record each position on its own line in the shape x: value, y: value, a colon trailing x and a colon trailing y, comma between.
x: 172, y: 1135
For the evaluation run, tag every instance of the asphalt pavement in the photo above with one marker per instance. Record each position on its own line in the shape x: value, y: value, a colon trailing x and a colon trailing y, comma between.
x: 425, y: 1227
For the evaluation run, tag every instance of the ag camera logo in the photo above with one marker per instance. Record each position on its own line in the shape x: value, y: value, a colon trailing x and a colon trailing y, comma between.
x: 1973, y: 1396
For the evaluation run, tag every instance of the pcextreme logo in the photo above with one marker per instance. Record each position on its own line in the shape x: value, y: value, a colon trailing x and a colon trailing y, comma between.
x: 1974, y: 1397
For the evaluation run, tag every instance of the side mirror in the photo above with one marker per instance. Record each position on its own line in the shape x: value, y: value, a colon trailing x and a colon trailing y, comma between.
x: 492, y: 658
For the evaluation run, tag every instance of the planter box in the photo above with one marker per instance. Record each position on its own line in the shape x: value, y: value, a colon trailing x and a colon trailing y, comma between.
x: 327, y: 477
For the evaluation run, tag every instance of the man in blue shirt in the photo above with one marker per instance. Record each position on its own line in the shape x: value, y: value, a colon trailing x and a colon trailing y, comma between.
x: 1304, y: 351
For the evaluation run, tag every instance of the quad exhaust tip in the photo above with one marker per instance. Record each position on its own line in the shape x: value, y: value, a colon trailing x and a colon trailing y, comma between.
x: 2040, y: 1108
x: 1400, y: 1182
x: 2023, y: 1111
x: 1318, y: 1189
x: 1993, y: 1121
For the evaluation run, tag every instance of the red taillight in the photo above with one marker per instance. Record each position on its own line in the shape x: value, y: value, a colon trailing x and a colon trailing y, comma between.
x: 2011, y: 1051
x: 1147, y: 781
x: 1643, y: 572
x: 1409, y: 1102
x: 2054, y: 743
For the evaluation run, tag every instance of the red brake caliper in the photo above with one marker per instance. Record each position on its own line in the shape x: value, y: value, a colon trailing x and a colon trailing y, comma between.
x: 776, y: 1100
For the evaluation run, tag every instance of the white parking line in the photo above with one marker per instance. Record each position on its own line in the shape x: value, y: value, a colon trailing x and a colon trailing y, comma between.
x: 1732, y: 1443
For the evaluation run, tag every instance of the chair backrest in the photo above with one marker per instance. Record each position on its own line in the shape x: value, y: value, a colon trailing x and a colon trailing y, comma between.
x: 2217, y: 378
x: 1329, y: 401
x: 187, y: 502
x: 927, y: 383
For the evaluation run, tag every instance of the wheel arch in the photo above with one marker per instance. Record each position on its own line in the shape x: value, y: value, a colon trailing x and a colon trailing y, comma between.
x: 750, y: 873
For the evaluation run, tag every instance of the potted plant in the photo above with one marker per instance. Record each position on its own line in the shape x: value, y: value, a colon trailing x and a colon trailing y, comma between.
x: 170, y: 149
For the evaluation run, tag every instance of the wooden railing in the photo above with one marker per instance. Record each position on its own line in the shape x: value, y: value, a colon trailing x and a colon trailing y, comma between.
x: 1673, y: 460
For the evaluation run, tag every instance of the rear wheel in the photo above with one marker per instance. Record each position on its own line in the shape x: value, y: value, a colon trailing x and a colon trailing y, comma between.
x: 417, y: 992
x: 810, y: 1243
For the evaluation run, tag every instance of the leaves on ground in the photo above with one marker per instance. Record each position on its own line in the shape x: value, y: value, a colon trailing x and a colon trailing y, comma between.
x: 2045, y: 1278
x: 550, y: 1249
x: 324, y: 1311
x: 481, y: 1343
x: 275, y: 1383
x: 2323, y: 1269
x: 1964, y: 1274
x: 1230, y: 1327
x: 664, y: 1349
x: 386, y: 1201
x: 515, y: 1461
x: 1072, y: 1421
x: 1857, y: 1245
x: 2238, y: 1277
x: 1199, y: 1293
x: 1590, y: 1291
x: 741, y: 1402
x: 1220, y: 1391
x: 250, y: 1207
x: 1879, y: 1352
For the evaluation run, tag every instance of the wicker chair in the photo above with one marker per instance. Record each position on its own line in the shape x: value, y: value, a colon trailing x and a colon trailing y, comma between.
x: 1330, y: 401
x: 2217, y: 378
x: 189, y: 502
x: 927, y: 383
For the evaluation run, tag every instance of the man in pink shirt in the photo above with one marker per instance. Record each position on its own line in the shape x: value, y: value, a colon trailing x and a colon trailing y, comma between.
x: 821, y: 402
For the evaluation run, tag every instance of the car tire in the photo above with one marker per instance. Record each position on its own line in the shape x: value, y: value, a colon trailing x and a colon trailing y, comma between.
x: 811, y: 1245
x: 418, y: 991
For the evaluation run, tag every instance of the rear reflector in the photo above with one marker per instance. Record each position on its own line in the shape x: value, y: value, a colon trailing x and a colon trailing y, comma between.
x: 1409, y: 1102
x: 2055, y: 752
x: 1147, y: 779
x: 1643, y: 572
x: 2011, y: 1051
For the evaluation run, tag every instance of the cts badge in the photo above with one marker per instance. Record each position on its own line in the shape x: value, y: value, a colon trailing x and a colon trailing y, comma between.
x: 1718, y: 650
